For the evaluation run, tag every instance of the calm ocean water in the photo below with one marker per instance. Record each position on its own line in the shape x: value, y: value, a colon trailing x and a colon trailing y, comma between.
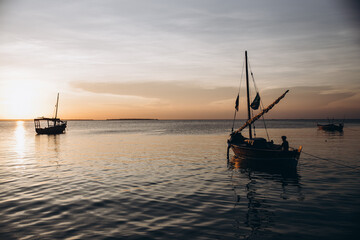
x: 171, y: 180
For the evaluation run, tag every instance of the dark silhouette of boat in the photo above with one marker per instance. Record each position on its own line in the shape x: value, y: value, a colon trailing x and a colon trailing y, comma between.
x: 260, y: 150
x: 331, y: 127
x: 51, y: 125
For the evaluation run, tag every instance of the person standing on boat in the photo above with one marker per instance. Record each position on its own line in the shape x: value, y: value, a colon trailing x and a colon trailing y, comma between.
x: 285, y: 144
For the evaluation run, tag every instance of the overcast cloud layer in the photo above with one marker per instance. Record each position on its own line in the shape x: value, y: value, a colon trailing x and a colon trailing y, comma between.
x: 181, y: 52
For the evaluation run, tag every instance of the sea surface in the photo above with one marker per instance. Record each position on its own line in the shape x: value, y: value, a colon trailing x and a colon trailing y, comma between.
x: 171, y: 180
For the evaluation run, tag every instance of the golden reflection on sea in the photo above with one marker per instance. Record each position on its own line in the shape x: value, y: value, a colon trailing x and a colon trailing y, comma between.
x: 20, y: 140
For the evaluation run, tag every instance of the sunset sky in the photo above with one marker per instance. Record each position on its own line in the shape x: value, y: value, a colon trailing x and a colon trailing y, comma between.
x: 177, y: 59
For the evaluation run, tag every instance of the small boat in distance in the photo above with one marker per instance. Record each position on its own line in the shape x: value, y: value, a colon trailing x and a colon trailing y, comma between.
x: 259, y: 150
x: 51, y: 125
x: 331, y: 127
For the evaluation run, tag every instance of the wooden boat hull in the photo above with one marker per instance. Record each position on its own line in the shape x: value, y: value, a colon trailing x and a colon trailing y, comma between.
x: 51, y: 130
x: 266, y: 156
x: 331, y: 127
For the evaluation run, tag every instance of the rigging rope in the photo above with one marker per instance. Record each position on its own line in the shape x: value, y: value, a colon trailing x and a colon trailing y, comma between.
x: 261, y: 103
x: 353, y: 129
x: 242, y: 72
x: 332, y: 161
x: 252, y: 115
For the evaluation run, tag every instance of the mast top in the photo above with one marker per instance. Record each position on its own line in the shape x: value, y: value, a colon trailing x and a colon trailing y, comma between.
x: 57, y: 105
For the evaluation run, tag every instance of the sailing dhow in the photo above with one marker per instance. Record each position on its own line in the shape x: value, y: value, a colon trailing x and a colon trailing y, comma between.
x: 52, y: 125
x: 260, y: 150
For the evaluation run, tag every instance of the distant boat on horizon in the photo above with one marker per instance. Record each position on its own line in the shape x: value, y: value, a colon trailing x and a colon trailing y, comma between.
x: 52, y: 125
x: 259, y: 150
x: 331, y: 127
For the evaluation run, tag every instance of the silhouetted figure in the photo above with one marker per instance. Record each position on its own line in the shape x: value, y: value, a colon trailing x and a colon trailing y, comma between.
x: 285, y: 144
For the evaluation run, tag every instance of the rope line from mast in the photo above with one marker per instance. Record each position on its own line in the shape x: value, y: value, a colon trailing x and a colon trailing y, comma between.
x: 333, y: 161
x: 352, y: 129
x: 261, y: 102
x: 256, y: 90
x: 241, y: 77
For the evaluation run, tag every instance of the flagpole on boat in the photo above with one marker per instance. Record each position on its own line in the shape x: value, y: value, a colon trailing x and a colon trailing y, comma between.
x: 247, y: 93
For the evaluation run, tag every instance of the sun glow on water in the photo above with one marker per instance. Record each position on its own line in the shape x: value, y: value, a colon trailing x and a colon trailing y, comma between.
x: 20, y: 139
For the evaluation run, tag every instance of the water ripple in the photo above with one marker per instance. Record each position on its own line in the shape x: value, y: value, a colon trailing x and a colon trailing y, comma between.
x: 170, y: 182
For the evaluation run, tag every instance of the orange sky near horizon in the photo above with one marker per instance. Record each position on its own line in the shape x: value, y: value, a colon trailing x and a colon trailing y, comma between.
x: 178, y: 60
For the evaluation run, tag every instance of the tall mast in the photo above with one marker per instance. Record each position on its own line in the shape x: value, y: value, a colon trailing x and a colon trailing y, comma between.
x: 247, y: 93
x: 56, y: 106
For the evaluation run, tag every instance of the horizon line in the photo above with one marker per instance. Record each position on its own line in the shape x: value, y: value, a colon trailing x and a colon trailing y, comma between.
x: 173, y: 119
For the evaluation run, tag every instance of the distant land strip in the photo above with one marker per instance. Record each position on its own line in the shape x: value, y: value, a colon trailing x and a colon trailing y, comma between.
x: 14, y: 120
x: 130, y: 119
x: 75, y: 119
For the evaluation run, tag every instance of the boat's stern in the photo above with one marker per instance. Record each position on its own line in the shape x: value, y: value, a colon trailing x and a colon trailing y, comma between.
x: 298, y: 152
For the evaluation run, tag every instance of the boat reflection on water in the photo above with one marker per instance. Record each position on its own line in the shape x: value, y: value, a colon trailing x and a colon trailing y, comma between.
x: 262, y: 190
x: 283, y: 167
x: 48, y: 147
x: 47, y: 143
x: 330, y: 133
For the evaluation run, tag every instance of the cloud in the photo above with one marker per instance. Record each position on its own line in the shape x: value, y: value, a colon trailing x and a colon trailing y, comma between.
x: 177, y: 99
x: 316, y: 102
x: 186, y: 53
x: 178, y: 93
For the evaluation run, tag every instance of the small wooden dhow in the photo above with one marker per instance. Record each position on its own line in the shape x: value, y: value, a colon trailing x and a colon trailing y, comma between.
x: 51, y: 125
x: 259, y: 150
x: 331, y: 127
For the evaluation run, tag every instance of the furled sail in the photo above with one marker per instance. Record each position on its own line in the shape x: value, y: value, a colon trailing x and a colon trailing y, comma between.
x: 251, y: 120
x: 256, y: 103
